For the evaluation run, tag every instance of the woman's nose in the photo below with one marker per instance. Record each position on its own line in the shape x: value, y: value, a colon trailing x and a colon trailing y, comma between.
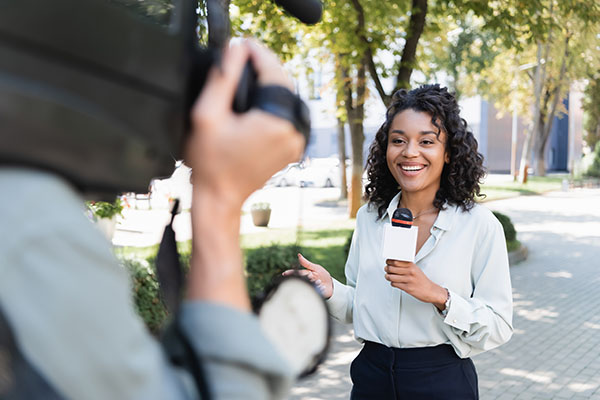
x: 411, y: 150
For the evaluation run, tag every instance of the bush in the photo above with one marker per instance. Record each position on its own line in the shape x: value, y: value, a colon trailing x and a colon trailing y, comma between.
x: 348, y: 244
x: 103, y: 209
x: 594, y: 169
x: 265, y: 263
x: 509, y: 229
x: 146, y: 294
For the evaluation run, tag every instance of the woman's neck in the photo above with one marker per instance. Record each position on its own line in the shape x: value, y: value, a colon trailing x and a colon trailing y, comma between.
x: 416, y: 202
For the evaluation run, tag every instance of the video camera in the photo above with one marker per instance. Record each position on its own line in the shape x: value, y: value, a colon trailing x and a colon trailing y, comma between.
x: 99, y: 91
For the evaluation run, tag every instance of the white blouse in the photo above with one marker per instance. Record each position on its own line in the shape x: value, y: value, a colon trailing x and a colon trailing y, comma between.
x: 465, y: 253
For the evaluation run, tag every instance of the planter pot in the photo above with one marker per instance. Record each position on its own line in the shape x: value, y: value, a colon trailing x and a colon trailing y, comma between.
x: 261, y: 217
x: 107, y: 226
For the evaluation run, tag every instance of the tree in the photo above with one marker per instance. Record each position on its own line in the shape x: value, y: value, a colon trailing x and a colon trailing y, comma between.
x: 533, y: 51
x: 591, y: 106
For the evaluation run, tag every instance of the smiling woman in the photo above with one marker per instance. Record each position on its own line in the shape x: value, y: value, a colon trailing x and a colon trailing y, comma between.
x: 416, y: 152
x: 421, y: 321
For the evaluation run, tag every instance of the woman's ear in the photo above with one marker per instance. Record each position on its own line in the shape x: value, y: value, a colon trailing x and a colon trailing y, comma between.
x: 447, y: 157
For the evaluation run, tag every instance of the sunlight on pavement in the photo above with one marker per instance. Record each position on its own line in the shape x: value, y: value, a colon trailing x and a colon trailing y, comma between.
x: 540, y: 377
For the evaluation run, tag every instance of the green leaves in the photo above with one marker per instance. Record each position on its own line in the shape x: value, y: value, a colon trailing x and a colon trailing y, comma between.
x: 103, y: 209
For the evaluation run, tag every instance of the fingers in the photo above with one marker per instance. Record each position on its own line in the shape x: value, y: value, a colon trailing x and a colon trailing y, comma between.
x: 312, y: 276
x: 301, y: 272
x: 267, y: 66
x: 397, y: 270
x: 398, y: 278
x: 398, y: 263
x: 305, y: 263
x: 219, y: 90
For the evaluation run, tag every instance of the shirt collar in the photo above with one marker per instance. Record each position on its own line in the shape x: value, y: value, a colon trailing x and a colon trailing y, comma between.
x: 392, y: 206
x: 445, y: 218
x: 443, y: 221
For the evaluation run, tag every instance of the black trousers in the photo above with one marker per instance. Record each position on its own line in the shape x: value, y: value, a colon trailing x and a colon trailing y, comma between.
x: 424, y: 373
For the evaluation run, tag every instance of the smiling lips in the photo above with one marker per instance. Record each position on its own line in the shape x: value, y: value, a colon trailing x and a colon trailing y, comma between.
x: 411, y: 167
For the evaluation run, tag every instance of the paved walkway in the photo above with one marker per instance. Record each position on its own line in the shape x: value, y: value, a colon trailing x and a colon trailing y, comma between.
x: 555, y: 350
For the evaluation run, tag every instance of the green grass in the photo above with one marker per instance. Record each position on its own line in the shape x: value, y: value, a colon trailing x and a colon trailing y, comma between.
x: 324, y: 247
x: 535, y: 185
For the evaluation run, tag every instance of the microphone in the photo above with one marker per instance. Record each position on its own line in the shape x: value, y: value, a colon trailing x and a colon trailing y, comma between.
x: 400, y: 237
x: 307, y: 11
x: 402, y: 217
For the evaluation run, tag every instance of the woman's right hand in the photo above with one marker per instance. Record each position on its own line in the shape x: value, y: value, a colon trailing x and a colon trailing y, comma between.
x: 316, y: 274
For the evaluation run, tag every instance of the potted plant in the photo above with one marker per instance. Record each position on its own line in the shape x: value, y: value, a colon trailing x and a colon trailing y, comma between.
x: 104, y: 214
x: 261, y: 213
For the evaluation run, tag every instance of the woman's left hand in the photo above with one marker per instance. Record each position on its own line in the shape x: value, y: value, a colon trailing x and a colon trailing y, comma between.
x: 405, y: 275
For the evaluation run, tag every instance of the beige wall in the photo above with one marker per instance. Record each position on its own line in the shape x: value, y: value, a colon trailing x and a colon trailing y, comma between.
x: 499, y: 136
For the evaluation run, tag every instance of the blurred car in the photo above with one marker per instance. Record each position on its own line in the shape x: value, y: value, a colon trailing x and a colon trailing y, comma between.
x: 289, y: 176
x: 320, y: 172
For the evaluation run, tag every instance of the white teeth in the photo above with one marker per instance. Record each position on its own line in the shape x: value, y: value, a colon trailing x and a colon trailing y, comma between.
x: 411, y: 168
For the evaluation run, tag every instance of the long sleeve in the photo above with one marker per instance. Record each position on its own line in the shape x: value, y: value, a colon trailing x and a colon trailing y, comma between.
x: 341, y: 303
x: 483, y: 321
x: 239, y: 361
x: 70, y: 306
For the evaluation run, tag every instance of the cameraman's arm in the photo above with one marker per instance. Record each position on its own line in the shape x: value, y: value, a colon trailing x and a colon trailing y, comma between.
x: 231, y: 156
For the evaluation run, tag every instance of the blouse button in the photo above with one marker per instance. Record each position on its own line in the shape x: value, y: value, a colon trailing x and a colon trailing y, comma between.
x: 454, y: 320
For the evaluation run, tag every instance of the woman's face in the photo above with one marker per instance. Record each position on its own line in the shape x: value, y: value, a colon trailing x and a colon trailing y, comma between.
x: 415, y: 153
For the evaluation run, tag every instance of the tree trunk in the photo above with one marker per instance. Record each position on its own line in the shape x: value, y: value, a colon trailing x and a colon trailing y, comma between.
x: 355, y: 112
x: 342, y: 158
x: 547, y: 116
x: 416, y: 26
x: 539, y: 77
x: 540, y: 147
x: 358, y: 139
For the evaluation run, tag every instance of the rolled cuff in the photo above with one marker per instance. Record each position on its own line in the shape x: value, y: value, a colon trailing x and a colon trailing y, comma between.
x: 459, y: 313
x: 232, y: 337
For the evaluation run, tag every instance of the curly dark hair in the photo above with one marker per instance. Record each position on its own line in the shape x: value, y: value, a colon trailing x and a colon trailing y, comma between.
x: 460, y: 177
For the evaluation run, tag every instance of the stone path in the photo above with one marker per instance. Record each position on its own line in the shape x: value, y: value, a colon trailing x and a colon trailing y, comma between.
x: 555, y: 350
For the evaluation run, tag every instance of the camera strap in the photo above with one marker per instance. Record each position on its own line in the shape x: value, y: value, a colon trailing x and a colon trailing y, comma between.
x: 170, y: 279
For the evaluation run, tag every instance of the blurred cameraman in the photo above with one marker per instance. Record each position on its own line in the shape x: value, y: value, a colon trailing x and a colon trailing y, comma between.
x: 69, y: 303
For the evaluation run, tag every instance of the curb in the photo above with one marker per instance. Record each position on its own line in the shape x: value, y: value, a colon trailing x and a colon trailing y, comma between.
x: 515, y: 257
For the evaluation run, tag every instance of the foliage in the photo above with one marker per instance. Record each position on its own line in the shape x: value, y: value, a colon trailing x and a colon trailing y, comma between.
x: 591, y: 106
x: 524, y: 57
x: 594, y: 169
x: 509, y: 229
x: 348, y: 244
x: 103, y: 209
x: 263, y: 264
x: 146, y: 293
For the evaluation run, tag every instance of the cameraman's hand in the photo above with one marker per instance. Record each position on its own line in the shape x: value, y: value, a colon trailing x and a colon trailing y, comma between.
x: 231, y: 156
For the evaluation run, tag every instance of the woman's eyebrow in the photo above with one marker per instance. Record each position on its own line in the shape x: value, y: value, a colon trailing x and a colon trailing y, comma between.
x: 401, y: 132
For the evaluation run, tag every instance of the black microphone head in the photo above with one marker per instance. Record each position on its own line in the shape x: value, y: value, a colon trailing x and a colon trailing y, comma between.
x: 402, y: 217
x: 307, y: 11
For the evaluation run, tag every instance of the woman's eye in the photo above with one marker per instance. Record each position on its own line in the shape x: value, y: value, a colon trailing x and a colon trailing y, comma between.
x: 427, y: 142
x: 397, y: 141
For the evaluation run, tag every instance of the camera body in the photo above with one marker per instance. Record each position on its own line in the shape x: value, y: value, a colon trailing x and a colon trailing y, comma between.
x: 97, y: 92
